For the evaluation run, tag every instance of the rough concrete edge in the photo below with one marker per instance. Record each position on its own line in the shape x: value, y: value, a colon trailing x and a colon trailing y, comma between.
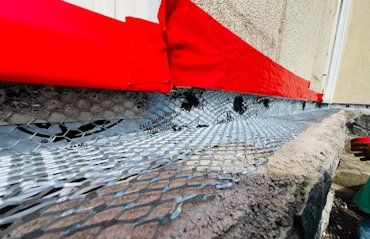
x: 324, y: 222
x: 337, y: 190
x: 326, y: 140
x: 312, y: 168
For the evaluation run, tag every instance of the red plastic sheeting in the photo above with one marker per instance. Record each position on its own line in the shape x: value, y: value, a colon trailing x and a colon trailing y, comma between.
x: 56, y: 43
x: 204, y: 54
x: 53, y: 42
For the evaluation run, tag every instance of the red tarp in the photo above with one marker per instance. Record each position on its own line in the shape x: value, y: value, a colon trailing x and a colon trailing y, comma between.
x: 57, y: 43
x: 204, y: 54
x: 53, y: 42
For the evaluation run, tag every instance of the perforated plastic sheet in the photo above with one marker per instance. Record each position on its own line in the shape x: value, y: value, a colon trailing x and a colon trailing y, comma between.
x: 135, y: 175
x: 31, y: 104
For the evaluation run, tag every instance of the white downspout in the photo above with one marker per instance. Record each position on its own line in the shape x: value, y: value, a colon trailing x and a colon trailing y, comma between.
x: 120, y: 9
x: 339, y: 41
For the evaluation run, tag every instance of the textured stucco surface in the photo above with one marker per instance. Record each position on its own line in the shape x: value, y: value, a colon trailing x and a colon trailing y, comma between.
x: 353, y: 83
x: 296, y: 34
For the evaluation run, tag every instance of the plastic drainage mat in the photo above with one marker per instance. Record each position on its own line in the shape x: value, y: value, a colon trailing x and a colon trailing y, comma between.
x: 127, y: 177
x: 25, y: 104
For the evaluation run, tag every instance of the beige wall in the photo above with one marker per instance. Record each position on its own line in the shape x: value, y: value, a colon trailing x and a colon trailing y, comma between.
x: 298, y: 34
x: 353, y: 83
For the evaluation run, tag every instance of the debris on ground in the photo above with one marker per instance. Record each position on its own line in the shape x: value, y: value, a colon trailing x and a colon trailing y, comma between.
x: 344, y: 221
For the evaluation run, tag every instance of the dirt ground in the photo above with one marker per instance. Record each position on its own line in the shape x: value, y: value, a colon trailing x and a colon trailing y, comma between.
x: 351, y: 174
x: 344, y: 221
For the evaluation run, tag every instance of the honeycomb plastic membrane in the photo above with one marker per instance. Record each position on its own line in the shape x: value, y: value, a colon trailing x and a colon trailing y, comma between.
x: 100, y: 176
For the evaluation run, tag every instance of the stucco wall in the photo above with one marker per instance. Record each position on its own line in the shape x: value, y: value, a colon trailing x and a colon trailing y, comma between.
x: 353, y: 83
x: 297, y: 34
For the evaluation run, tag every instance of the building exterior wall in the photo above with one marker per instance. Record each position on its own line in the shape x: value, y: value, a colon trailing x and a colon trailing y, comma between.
x: 353, y: 82
x: 298, y: 34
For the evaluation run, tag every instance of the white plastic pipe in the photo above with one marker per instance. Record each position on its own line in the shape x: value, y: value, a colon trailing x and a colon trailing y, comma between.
x: 339, y: 41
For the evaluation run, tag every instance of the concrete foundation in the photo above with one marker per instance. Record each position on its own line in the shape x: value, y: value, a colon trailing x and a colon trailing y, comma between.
x: 284, y: 199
